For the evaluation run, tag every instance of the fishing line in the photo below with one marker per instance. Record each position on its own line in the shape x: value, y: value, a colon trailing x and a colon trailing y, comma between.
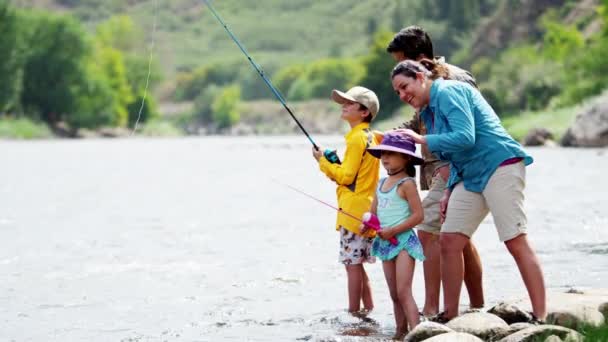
x: 151, y: 47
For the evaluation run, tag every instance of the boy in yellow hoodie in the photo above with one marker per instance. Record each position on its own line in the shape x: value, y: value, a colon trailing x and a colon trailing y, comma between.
x: 357, y: 178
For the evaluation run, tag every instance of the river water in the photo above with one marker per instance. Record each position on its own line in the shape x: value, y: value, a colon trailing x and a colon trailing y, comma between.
x: 193, y: 239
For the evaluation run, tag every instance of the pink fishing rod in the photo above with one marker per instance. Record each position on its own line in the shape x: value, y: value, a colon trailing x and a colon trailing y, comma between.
x: 369, y: 219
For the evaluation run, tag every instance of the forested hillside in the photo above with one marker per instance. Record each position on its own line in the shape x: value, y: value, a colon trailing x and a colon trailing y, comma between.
x: 85, y: 62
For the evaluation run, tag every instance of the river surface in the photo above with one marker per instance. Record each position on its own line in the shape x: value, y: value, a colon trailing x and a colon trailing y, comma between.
x: 193, y: 239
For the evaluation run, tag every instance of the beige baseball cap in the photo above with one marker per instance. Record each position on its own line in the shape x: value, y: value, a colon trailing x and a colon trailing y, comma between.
x: 360, y: 95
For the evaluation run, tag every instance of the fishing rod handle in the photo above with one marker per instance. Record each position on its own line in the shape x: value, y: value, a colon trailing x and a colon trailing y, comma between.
x: 372, y: 221
x: 332, y: 156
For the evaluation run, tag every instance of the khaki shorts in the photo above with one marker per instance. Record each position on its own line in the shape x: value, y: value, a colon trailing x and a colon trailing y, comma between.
x: 503, y: 197
x: 430, y: 206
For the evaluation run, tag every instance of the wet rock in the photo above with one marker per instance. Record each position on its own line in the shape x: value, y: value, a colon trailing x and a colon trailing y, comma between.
x: 575, y: 317
x: 538, y: 137
x: 426, y: 330
x: 454, y: 337
x: 480, y: 324
x: 582, y: 305
x: 536, y: 332
x: 513, y: 328
x: 590, y: 129
x: 510, y: 313
x: 553, y: 338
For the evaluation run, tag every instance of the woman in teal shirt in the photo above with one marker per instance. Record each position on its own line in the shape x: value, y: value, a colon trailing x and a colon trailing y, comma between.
x: 487, y: 174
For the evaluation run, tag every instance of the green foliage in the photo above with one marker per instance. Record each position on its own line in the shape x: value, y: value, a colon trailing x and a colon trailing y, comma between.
x: 559, y: 40
x: 379, y: 64
x: 520, y: 80
x: 225, y: 107
x: 324, y: 75
x: 55, y: 66
x: 23, y: 128
x: 203, y: 102
x: 189, y: 84
x: 12, y: 57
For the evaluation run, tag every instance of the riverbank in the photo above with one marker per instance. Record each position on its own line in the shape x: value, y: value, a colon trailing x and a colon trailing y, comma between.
x: 268, y: 117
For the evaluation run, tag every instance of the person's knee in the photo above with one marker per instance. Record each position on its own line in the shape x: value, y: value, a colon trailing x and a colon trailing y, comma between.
x: 452, y: 243
x: 404, y: 292
x: 518, y: 246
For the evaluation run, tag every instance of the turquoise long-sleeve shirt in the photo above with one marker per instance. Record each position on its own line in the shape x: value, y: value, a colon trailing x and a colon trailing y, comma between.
x: 464, y: 130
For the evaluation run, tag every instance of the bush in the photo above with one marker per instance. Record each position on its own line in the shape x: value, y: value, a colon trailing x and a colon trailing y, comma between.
x: 324, y: 75
x: 226, y: 107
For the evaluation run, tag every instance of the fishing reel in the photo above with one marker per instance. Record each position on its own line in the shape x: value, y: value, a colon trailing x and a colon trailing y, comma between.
x: 332, y: 156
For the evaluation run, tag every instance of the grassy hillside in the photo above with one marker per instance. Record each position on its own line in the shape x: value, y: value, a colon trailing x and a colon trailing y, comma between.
x: 276, y: 32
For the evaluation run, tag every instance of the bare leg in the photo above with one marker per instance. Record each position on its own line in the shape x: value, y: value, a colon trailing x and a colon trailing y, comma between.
x: 355, y: 280
x: 405, y: 265
x: 391, y: 281
x: 368, y: 301
x: 531, y: 273
x: 432, y: 272
x: 452, y: 270
x: 473, y: 275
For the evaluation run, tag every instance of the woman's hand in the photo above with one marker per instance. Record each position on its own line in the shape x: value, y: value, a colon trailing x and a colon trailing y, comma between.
x: 386, y: 234
x: 317, y: 153
x: 443, y: 205
x: 419, y: 139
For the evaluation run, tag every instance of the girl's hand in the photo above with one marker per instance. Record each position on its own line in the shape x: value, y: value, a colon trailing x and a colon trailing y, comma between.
x: 363, y: 229
x: 317, y: 153
x: 386, y: 234
x: 418, y: 139
x: 443, y: 205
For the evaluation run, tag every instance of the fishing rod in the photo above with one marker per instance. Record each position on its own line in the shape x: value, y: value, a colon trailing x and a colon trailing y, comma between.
x: 330, y: 155
x: 369, y: 219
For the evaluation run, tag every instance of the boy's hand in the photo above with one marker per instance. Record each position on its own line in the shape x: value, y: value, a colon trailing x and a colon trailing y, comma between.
x: 317, y: 153
x: 386, y: 234
x: 363, y: 229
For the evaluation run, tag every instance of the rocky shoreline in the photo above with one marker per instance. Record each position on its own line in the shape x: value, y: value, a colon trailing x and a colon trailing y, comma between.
x: 511, y: 321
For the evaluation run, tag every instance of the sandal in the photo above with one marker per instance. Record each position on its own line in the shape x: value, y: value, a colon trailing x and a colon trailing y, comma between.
x: 439, y: 318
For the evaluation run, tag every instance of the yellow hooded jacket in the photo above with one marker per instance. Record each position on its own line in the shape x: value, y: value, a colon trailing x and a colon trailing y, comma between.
x: 357, y: 176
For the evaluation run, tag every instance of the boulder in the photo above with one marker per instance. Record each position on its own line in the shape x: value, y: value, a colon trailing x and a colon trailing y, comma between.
x: 426, y: 330
x: 590, y: 129
x: 575, y: 317
x: 513, y: 328
x: 553, y: 338
x: 538, y: 137
x: 454, y: 337
x: 480, y: 324
x: 534, y: 333
x: 573, y: 307
x: 510, y: 313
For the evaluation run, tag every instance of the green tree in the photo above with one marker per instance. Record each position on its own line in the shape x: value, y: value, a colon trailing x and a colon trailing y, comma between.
x: 379, y: 64
x: 55, y: 68
x: 226, y: 107
x: 12, y: 57
x: 324, y: 75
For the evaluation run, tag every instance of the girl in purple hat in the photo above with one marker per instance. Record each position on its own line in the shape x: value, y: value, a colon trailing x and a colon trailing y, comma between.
x: 398, y: 208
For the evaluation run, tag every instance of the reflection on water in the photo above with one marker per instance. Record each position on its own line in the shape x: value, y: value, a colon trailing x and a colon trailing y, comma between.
x: 191, y: 239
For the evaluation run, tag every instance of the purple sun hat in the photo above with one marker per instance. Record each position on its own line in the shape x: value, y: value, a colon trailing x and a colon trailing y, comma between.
x: 397, y: 142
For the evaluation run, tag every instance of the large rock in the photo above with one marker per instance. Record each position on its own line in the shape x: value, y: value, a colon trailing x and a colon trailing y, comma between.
x: 480, y: 324
x: 571, y: 307
x: 534, y: 333
x: 539, y: 137
x: 510, y: 313
x: 553, y: 338
x: 575, y: 317
x: 590, y: 129
x: 454, y: 337
x: 513, y: 328
x: 426, y: 330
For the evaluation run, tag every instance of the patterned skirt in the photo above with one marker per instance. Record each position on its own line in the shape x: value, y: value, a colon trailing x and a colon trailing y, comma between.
x: 408, y: 240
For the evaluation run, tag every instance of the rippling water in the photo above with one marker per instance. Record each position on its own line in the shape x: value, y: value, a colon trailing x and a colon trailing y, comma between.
x: 192, y: 240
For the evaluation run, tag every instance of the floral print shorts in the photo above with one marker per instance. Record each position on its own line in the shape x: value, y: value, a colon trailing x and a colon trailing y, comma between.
x: 354, y: 248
